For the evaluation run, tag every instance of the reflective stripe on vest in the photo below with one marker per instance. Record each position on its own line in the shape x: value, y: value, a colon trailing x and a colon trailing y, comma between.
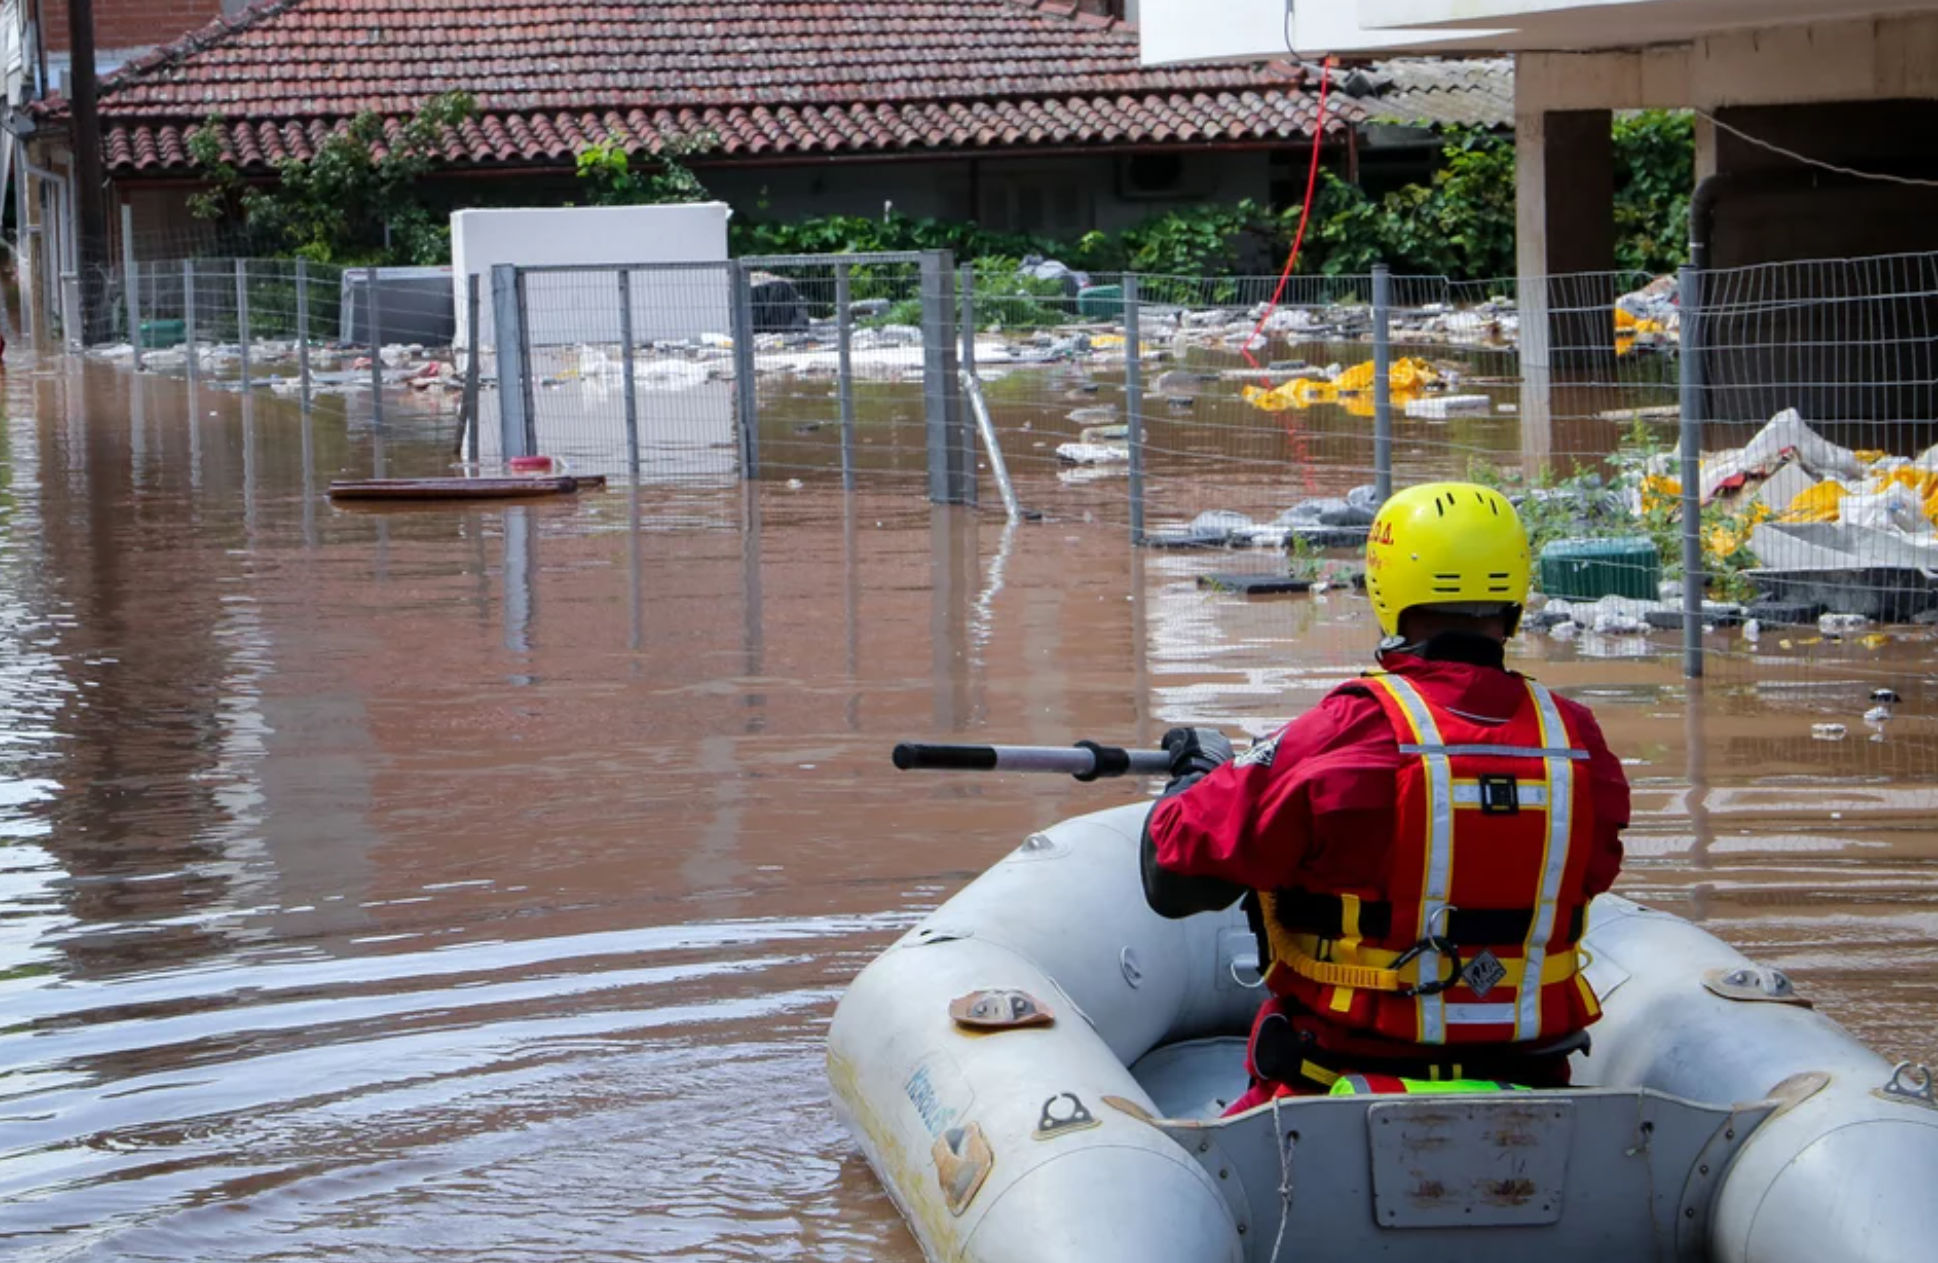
x: 1561, y: 772
x: 1439, y: 857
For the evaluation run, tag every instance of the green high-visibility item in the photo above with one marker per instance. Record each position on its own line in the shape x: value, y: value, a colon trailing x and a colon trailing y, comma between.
x: 1383, y: 1085
x: 1589, y: 569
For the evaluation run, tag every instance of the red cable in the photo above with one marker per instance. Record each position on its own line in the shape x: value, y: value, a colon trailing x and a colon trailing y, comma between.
x: 1305, y: 212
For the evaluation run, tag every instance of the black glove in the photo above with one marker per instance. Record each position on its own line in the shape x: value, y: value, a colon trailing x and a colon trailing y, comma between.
x: 1195, y: 751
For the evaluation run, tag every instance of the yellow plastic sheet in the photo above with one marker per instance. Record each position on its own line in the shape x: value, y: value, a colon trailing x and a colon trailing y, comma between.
x: 1408, y: 378
x: 1815, y: 504
x: 1733, y: 533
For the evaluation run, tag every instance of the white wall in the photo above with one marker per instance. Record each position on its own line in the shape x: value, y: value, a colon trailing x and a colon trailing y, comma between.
x: 584, y: 306
x: 1250, y: 30
x: 1177, y: 30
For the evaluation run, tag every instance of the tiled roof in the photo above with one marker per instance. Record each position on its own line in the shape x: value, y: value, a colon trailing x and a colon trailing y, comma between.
x: 766, y: 77
x: 1442, y: 92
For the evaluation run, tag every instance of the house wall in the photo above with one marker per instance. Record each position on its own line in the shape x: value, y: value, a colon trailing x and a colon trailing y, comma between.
x: 123, y: 29
x: 1058, y: 197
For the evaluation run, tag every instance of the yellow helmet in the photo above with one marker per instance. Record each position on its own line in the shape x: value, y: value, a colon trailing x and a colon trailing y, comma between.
x: 1445, y: 543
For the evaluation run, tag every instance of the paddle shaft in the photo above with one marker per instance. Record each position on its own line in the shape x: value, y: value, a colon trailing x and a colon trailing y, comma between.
x: 1086, y: 760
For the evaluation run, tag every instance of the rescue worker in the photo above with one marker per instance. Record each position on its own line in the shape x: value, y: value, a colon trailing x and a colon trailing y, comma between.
x: 1416, y: 853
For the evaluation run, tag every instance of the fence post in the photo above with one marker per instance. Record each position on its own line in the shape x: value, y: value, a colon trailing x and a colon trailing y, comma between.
x: 131, y: 279
x: 844, y: 323
x: 966, y: 363
x: 966, y: 279
x: 71, y: 332
x: 303, y: 331
x: 188, y: 315
x: 242, y: 316
x: 527, y: 377
x: 1382, y: 382
x: 505, y: 301
x: 941, y: 394
x: 376, y: 347
x: 471, y: 369
x: 626, y: 373
x: 746, y: 397
x: 1134, y: 403
x: 1690, y: 383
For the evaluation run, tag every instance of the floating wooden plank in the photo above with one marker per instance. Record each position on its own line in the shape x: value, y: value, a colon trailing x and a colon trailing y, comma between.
x: 523, y: 488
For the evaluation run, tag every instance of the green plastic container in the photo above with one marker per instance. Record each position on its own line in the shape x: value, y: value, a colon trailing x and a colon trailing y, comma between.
x: 1588, y: 569
x: 1101, y: 302
x: 160, y: 333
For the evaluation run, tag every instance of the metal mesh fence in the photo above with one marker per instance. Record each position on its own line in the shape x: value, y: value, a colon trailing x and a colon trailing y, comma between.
x: 294, y: 327
x: 1203, y: 413
x: 1817, y: 386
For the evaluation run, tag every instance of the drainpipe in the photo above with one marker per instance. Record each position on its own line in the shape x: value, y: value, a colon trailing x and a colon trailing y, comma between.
x: 1702, y: 217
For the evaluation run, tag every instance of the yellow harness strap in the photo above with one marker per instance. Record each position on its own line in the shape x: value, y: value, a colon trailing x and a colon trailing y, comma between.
x: 1374, y: 977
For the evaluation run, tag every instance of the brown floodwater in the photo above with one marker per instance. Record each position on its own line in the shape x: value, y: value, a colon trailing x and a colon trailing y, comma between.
x: 477, y: 883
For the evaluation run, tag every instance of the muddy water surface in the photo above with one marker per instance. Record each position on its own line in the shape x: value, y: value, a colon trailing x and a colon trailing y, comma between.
x: 478, y: 883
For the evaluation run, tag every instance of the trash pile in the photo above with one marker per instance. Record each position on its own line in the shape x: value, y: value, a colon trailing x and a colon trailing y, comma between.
x: 1648, y: 318
x: 1830, y: 528
x: 335, y: 369
x: 1329, y: 522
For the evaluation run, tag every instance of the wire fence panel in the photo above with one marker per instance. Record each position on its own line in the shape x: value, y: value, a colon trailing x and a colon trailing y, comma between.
x: 1818, y: 389
x: 840, y: 364
x: 590, y: 331
x: 1252, y: 414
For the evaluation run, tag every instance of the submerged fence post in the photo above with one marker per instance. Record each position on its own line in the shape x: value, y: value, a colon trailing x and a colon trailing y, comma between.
x: 1382, y: 382
x: 188, y: 314
x: 527, y: 376
x: 303, y: 331
x: 1134, y: 403
x: 626, y: 373
x: 242, y: 316
x: 471, y: 369
x: 376, y: 348
x: 941, y: 393
x: 505, y: 294
x: 966, y: 363
x: 844, y: 323
x: 746, y: 397
x: 1690, y: 382
x: 131, y: 279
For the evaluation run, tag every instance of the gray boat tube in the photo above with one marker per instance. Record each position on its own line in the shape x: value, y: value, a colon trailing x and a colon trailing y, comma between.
x: 1847, y: 1172
x: 1002, y: 1147
x: 1063, y: 919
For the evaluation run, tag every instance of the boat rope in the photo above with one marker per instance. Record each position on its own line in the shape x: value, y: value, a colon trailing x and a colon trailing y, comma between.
x: 1286, y: 1141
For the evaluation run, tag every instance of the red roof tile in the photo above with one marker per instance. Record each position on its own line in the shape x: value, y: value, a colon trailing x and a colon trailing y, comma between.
x: 768, y: 77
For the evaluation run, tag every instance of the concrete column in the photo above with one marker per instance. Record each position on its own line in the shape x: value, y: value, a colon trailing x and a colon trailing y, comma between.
x: 1564, y: 227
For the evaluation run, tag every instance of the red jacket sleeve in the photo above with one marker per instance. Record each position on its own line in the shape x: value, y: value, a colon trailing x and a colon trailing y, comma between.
x: 1251, y: 821
x: 1609, y: 785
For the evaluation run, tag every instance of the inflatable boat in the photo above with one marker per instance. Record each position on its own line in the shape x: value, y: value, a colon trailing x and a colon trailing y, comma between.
x: 1036, y: 1072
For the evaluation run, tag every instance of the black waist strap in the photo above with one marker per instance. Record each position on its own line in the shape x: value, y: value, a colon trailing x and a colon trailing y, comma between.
x: 1309, y: 912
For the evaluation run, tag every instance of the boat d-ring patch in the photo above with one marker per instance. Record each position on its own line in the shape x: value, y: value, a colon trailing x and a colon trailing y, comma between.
x: 1058, y: 1119
x: 1000, y: 1009
x: 962, y: 1161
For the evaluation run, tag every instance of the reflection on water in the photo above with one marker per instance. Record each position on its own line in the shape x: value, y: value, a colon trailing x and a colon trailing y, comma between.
x: 468, y: 881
